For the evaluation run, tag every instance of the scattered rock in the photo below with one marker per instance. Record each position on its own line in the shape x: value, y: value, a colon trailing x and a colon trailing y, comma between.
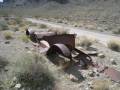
x: 27, y: 48
x: 91, y: 73
x: 7, y: 42
x: 73, y: 78
x: 101, y: 55
x: 93, y: 53
x: 113, y: 62
x: 14, y: 79
x: 29, y: 52
x: 89, y: 83
x: 18, y: 86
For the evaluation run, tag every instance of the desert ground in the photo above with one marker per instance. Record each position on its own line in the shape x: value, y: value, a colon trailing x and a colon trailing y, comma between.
x: 20, y: 60
x: 96, y: 25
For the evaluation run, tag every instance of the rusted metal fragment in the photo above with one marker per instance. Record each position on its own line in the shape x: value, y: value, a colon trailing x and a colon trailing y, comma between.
x: 67, y: 39
x: 84, y: 59
x: 61, y: 49
x: 113, y: 74
x: 52, y: 37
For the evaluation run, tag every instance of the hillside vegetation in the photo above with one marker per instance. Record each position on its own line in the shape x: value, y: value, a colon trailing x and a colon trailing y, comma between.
x: 100, y: 15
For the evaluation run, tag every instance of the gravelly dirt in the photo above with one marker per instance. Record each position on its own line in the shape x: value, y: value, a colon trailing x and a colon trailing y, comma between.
x: 63, y: 82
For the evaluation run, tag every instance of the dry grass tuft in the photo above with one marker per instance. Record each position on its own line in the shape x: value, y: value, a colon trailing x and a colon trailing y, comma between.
x: 28, y: 71
x: 101, y: 84
x: 85, y: 41
x: 43, y: 26
x: 114, y: 45
x: 8, y: 35
x: 24, y: 38
x: 59, y: 31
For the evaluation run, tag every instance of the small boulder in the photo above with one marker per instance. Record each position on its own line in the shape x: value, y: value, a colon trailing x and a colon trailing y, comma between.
x: 18, y: 86
x: 93, y: 53
x: 91, y: 73
x: 113, y: 62
x: 101, y: 55
x: 7, y: 42
x: 73, y: 78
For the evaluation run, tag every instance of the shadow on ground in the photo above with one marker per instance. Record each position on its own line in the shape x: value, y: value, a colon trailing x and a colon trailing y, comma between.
x: 72, y: 69
x: 3, y: 63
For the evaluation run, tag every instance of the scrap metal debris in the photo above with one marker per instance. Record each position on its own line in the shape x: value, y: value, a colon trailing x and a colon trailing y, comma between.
x: 64, y: 44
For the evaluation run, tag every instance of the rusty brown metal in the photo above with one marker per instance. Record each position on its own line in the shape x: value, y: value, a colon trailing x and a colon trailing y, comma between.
x: 67, y: 39
x: 113, y: 74
x: 52, y: 38
x: 84, y: 59
x: 65, y: 45
x: 61, y: 49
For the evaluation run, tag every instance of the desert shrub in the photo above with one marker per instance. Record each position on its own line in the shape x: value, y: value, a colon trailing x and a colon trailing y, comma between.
x: 16, y: 29
x: 11, y: 22
x: 117, y: 31
x: 34, y: 76
x: 101, y: 84
x: 59, y: 31
x: 3, y: 25
x: 22, y: 24
x: 24, y: 38
x: 84, y: 41
x: 18, y: 20
x: 15, y: 21
x: 43, y: 26
x: 27, y: 70
x: 8, y: 35
x: 114, y: 45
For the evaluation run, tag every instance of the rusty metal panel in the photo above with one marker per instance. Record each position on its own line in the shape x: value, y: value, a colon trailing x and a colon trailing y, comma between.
x: 52, y: 38
x: 113, y: 74
x: 61, y: 49
x: 67, y: 39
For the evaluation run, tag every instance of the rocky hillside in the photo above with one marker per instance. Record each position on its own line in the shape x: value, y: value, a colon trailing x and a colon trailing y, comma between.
x: 30, y: 2
x: 100, y: 15
x: 78, y: 2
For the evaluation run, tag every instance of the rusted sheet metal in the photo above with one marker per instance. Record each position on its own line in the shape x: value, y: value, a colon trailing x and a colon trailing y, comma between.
x: 113, y: 74
x: 61, y: 49
x: 84, y: 59
x: 52, y: 38
x: 67, y: 39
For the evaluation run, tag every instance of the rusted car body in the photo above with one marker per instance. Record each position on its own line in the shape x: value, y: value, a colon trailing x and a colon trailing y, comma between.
x: 64, y: 44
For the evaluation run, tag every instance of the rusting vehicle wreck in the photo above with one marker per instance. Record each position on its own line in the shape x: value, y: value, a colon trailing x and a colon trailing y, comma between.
x: 64, y: 45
